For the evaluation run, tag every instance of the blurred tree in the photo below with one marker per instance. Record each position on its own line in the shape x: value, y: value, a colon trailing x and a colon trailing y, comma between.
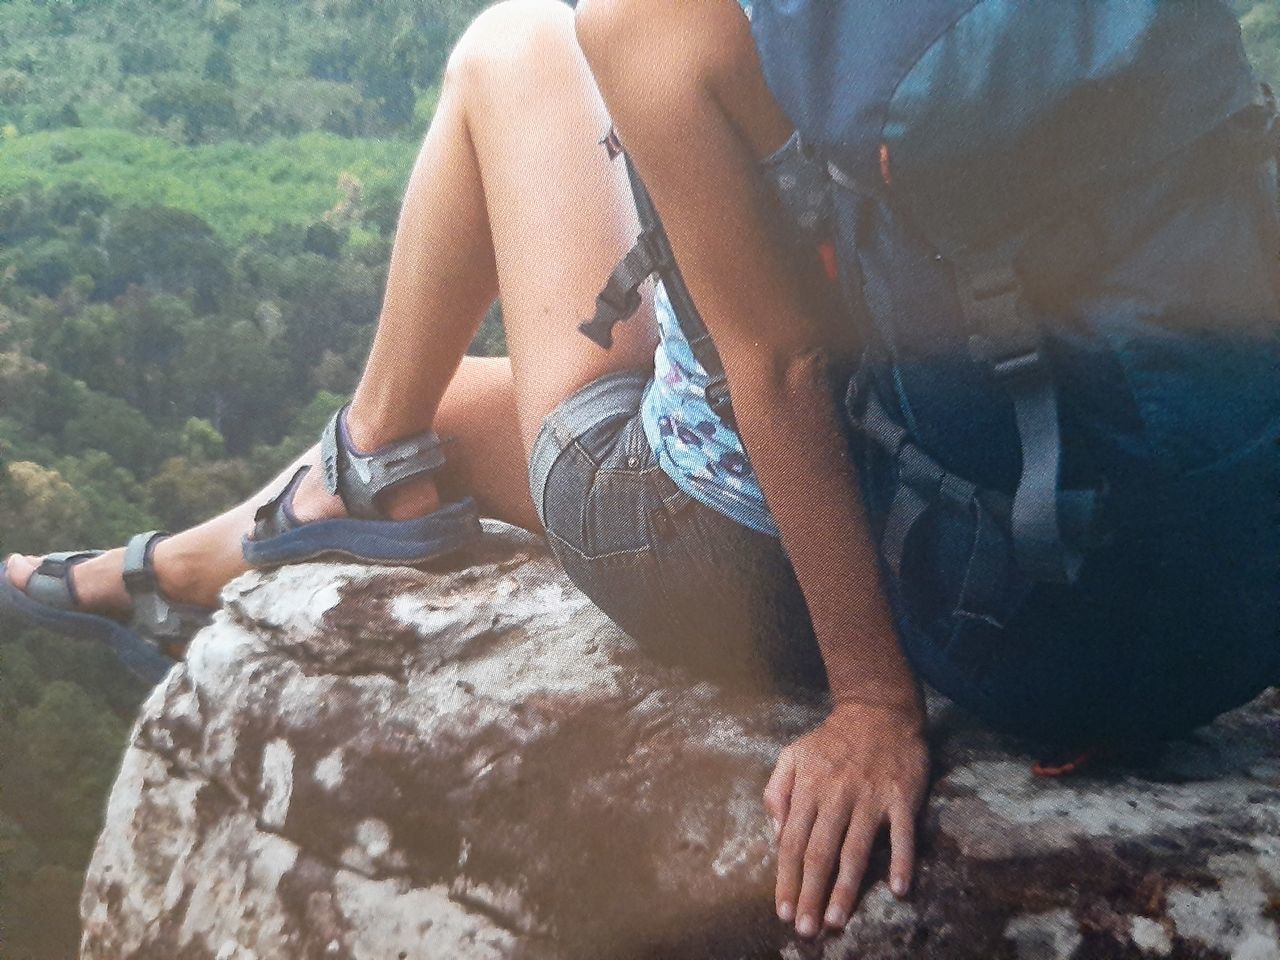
x: 218, y: 67
x: 184, y: 492
x: 39, y: 506
x: 141, y: 58
x: 111, y: 425
x: 201, y: 106
x: 200, y: 441
x: 169, y: 250
x: 14, y: 86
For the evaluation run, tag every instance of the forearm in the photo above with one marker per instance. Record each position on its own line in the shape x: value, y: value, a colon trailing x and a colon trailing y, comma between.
x: 798, y: 449
x: 698, y: 154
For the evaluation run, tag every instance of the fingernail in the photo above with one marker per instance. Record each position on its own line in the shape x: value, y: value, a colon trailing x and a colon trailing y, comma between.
x: 899, y: 887
x: 777, y: 826
x: 786, y: 912
x: 836, y: 918
x: 808, y: 926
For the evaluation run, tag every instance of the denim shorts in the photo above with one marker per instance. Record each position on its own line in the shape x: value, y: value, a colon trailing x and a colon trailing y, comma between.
x: 690, y: 585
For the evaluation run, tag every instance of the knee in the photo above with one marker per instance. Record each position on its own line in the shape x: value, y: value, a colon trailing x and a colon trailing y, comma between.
x: 512, y: 38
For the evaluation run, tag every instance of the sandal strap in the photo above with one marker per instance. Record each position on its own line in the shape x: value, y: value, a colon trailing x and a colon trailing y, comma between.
x: 358, y: 478
x: 275, y: 517
x: 51, y: 583
x: 165, y: 623
x: 139, y: 572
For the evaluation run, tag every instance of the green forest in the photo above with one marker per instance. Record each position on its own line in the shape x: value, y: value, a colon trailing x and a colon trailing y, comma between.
x: 197, y: 203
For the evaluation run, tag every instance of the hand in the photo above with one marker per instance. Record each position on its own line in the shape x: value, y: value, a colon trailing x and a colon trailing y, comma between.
x: 829, y: 795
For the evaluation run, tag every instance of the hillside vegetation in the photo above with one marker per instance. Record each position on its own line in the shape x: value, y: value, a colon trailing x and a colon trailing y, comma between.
x: 197, y: 202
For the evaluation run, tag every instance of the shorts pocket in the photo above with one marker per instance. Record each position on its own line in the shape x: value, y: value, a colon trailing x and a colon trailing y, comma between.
x: 597, y: 501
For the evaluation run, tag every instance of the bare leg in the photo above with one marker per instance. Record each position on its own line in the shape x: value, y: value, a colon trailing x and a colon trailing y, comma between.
x: 511, y: 193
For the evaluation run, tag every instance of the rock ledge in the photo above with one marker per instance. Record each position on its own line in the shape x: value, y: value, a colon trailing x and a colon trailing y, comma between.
x: 473, y: 763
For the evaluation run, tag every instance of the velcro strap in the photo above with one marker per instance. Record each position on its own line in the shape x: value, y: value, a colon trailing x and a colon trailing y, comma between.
x: 51, y: 583
x: 168, y: 625
x: 51, y: 589
x: 138, y: 573
x: 273, y: 517
x: 359, y: 478
x: 162, y: 622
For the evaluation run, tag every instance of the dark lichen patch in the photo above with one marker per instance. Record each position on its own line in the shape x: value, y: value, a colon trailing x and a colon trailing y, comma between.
x: 972, y: 902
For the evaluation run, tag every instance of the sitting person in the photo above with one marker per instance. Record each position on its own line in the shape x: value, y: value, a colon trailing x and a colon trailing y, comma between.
x: 738, y: 543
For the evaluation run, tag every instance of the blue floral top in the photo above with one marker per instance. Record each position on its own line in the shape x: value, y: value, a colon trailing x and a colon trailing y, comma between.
x: 694, y: 446
x: 701, y: 454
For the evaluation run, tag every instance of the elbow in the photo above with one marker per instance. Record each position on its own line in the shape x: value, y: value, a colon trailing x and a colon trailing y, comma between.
x: 806, y: 371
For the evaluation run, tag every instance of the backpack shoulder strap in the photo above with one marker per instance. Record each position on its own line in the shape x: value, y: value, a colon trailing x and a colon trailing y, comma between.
x: 652, y: 256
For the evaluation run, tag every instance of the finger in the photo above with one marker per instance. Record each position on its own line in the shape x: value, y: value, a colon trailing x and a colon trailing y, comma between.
x: 820, y: 859
x: 854, y: 855
x: 902, y: 840
x: 777, y: 793
x: 791, y: 847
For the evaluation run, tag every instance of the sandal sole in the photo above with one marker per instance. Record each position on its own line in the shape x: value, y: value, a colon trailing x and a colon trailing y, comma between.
x: 374, y: 542
x: 142, y: 658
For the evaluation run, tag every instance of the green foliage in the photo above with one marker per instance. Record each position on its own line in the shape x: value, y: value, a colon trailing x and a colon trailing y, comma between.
x: 187, y: 490
x: 167, y: 250
x: 239, y: 189
x: 1261, y: 24
x: 203, y: 107
x: 195, y: 223
x: 127, y: 63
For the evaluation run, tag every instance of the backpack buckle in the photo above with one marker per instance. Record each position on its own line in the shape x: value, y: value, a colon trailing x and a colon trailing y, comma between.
x: 1012, y: 364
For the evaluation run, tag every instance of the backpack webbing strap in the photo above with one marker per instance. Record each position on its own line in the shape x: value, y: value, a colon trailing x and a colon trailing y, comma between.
x: 1008, y: 341
x: 922, y: 487
x: 620, y: 298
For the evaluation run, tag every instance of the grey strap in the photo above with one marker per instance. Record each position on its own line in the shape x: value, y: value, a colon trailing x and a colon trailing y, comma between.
x: 138, y: 573
x: 620, y: 299
x: 924, y: 486
x: 1007, y: 338
x: 358, y: 478
x: 275, y: 517
x: 164, y: 623
x: 51, y: 583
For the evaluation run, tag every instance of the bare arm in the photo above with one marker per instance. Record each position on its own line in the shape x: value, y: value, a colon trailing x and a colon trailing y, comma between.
x: 682, y: 82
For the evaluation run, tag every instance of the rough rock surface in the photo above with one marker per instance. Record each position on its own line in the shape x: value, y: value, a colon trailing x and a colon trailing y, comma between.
x: 472, y: 763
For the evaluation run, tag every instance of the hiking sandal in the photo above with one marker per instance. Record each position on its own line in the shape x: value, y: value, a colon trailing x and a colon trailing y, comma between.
x: 279, y: 537
x: 157, y: 631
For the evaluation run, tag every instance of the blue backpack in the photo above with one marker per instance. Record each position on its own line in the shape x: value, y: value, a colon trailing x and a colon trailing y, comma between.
x: 1056, y: 225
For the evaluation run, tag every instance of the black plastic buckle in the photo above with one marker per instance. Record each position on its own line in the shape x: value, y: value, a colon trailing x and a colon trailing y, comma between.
x: 657, y: 250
